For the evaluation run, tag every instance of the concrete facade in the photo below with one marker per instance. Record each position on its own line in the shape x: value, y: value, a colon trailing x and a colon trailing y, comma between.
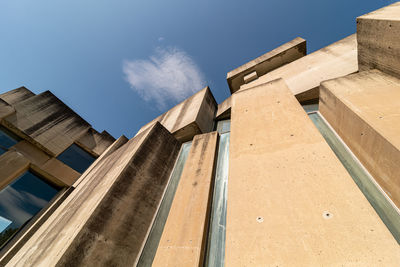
x: 310, y: 152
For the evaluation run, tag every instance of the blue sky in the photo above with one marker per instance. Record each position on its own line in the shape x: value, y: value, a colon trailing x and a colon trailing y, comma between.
x: 119, y: 64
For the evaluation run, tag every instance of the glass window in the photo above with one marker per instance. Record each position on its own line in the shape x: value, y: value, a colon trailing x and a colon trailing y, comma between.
x: 7, y: 140
x: 77, y: 158
x: 224, y: 126
x: 20, y: 201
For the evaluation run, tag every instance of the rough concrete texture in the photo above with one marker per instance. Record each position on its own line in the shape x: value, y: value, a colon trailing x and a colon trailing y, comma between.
x: 363, y: 109
x: 105, y: 220
x: 290, y: 200
x: 304, y: 75
x: 47, y: 122
x: 224, y: 109
x: 5, y: 109
x: 193, y: 116
x: 12, y: 164
x: 17, y: 95
x: 185, y: 233
x: 113, y: 147
x: 378, y: 37
x: 95, y: 142
x: 278, y: 57
x: 49, y: 168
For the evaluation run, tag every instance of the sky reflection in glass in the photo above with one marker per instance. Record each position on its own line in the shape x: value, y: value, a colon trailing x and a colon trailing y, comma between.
x: 77, y: 158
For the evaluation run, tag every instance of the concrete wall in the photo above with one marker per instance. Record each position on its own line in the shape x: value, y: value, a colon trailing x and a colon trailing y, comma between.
x: 304, y: 75
x: 290, y: 200
x: 185, y: 233
x: 378, y: 37
x: 193, y: 116
x: 278, y: 57
x: 106, y: 219
x: 364, y: 110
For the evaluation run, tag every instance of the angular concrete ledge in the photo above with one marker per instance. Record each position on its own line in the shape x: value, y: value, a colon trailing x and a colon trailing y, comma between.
x: 278, y: 57
x: 290, y: 200
x: 185, y: 233
x: 106, y: 219
x: 304, y: 75
x: 363, y: 109
x: 224, y: 109
x: 17, y: 95
x: 378, y: 38
x: 193, y: 116
x: 95, y: 142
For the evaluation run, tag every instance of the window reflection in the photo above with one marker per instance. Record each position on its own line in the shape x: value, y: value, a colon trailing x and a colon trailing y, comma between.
x: 7, y: 140
x: 20, y: 201
x: 77, y: 158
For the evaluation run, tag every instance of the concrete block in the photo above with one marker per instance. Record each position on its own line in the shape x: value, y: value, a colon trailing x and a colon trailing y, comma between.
x: 304, y: 75
x: 12, y: 164
x: 224, y: 109
x: 59, y: 173
x: 95, y: 142
x: 47, y: 122
x: 30, y: 152
x: 378, y: 38
x: 17, y: 95
x: 278, y: 57
x: 191, y: 117
x: 106, y: 219
x: 363, y: 109
x: 290, y: 200
x: 5, y: 109
x: 185, y: 233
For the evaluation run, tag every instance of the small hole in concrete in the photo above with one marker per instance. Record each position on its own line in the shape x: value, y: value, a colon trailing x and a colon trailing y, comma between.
x: 292, y: 135
x: 362, y: 133
x: 327, y: 215
x: 260, y: 219
x: 278, y: 102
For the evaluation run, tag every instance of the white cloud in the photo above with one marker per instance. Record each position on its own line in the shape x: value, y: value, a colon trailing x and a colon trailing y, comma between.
x: 170, y: 75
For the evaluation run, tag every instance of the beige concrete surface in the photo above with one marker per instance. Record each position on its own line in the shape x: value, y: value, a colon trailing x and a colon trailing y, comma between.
x: 47, y: 122
x: 95, y: 142
x: 110, y: 149
x: 364, y: 109
x: 106, y: 219
x: 290, y: 200
x: 184, y: 237
x: 224, y: 109
x: 192, y: 116
x: 15, y: 96
x: 12, y: 164
x: 5, y: 109
x: 278, y: 57
x: 304, y: 75
x: 378, y: 37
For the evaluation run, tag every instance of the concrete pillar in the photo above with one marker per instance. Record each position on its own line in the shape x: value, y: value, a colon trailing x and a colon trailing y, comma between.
x: 185, y: 233
x: 378, y: 38
x: 364, y: 110
x: 290, y: 200
x: 106, y: 219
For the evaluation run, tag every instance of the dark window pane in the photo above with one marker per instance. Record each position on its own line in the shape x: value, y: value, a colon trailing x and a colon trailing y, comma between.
x: 20, y: 201
x: 7, y: 140
x: 77, y: 158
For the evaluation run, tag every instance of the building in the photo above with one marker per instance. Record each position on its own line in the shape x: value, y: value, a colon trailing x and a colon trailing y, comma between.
x: 300, y: 166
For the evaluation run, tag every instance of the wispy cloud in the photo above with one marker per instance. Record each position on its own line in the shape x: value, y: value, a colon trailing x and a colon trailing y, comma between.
x: 170, y: 75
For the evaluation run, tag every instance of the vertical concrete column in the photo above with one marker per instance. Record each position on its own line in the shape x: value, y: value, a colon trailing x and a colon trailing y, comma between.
x: 290, y: 200
x: 184, y: 237
x: 106, y: 219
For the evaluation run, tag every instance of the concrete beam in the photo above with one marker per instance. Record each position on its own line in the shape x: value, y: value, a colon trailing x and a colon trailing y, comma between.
x: 191, y: 117
x: 290, y: 200
x: 278, y: 57
x: 47, y: 122
x: 224, y: 109
x: 106, y: 219
x: 363, y: 109
x: 185, y: 233
x: 17, y: 95
x: 304, y: 75
x: 95, y: 142
x: 378, y: 37
x: 12, y: 164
